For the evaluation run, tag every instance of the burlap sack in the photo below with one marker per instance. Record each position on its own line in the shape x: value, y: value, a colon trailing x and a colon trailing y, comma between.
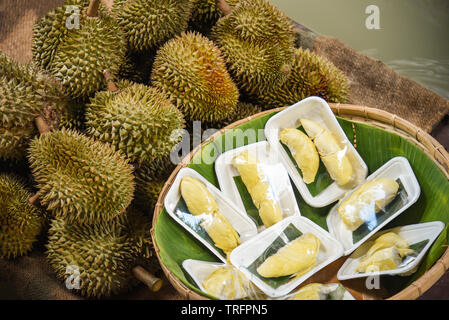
x: 372, y: 84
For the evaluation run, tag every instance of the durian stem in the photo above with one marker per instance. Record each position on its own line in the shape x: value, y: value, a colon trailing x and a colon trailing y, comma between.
x: 33, y: 199
x: 42, y: 125
x: 224, y: 7
x: 151, y: 281
x: 112, y: 87
x: 92, y: 11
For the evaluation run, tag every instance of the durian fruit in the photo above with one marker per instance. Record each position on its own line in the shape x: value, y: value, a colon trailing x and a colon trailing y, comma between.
x: 227, y: 283
x: 381, y: 260
x: 95, y: 259
x: 303, y: 151
x: 147, y: 24
x: 78, y: 56
x: 150, y: 179
x: 26, y: 93
x: 296, y: 257
x: 202, y: 203
x: 206, y: 13
x: 79, y: 179
x: 311, y: 75
x: 20, y: 222
x: 368, y: 199
x: 73, y: 116
x: 312, y: 291
x: 257, y: 41
x: 191, y: 70
x: 137, y: 120
x: 334, y: 157
x: 258, y: 187
x: 137, y: 67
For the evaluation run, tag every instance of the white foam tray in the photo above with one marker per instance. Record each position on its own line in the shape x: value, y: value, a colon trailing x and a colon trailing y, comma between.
x: 412, y: 234
x: 245, y: 254
x: 273, y: 169
x: 245, y: 227
x: 318, y: 110
x: 328, y: 287
x: 396, y: 168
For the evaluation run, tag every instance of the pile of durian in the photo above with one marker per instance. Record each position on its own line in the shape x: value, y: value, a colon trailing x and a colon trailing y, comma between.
x: 86, y: 128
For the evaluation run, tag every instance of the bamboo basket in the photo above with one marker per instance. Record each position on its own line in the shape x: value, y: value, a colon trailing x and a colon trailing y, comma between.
x: 374, y: 117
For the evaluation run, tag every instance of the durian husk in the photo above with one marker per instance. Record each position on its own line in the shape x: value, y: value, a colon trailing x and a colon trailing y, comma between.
x: 26, y: 92
x: 190, y: 69
x: 20, y: 222
x: 257, y: 41
x: 150, y: 179
x: 148, y: 24
x: 138, y: 120
x: 78, y: 56
x: 311, y: 75
x: 79, y: 179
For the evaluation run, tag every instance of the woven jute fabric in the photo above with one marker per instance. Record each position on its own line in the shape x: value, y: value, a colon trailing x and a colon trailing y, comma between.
x: 372, y: 84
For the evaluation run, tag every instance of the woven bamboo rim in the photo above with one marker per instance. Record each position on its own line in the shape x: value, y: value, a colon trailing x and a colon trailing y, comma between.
x: 375, y: 117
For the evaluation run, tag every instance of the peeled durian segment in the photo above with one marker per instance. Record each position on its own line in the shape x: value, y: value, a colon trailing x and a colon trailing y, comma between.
x: 366, y: 201
x: 304, y: 152
x: 227, y: 283
x: 333, y: 156
x: 381, y: 260
x: 297, y: 257
x: 258, y: 187
x: 201, y: 202
x: 390, y: 239
x: 311, y: 291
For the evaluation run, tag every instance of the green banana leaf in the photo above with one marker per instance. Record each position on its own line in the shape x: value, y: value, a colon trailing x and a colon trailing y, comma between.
x: 376, y: 146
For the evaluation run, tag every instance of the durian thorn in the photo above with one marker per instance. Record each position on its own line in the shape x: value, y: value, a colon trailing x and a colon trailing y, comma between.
x: 224, y: 7
x: 42, y: 125
x: 112, y: 87
x: 150, y: 280
x: 34, y: 199
x: 92, y: 11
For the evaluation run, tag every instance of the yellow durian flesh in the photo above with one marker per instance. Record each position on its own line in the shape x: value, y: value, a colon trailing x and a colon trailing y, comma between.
x: 390, y: 239
x: 198, y: 199
x: 201, y: 202
x: 366, y: 201
x: 227, y: 283
x: 258, y: 187
x: 303, y: 151
x: 334, y: 157
x: 297, y: 257
x: 381, y: 260
x: 311, y: 291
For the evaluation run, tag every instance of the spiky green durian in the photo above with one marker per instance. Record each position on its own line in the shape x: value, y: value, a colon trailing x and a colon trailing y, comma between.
x: 137, y: 67
x: 25, y: 93
x: 80, y: 179
x: 147, y: 24
x: 78, y: 56
x: 311, y: 75
x: 104, y: 254
x: 74, y: 116
x: 191, y: 70
x: 137, y: 120
x: 206, y: 13
x: 150, y: 178
x: 97, y: 257
x: 20, y: 222
x: 257, y: 41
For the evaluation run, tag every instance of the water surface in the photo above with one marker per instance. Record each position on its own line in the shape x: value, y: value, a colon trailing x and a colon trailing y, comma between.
x: 413, y: 37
